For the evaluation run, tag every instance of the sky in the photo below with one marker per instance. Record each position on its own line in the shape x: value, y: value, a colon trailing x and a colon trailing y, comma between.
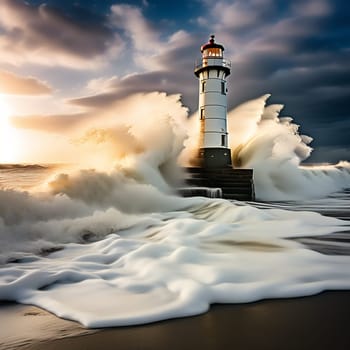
x: 60, y: 59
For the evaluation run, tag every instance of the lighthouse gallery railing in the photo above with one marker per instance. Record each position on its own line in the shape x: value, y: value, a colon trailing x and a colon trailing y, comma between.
x: 212, y: 62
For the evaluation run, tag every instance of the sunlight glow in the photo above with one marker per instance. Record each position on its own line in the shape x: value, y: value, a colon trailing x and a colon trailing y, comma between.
x: 7, y: 134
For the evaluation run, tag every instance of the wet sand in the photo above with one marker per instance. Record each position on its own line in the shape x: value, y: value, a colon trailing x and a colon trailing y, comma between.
x: 22, y: 325
x: 316, y: 322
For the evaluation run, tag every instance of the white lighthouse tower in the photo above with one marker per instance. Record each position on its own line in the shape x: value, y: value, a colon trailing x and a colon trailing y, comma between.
x: 212, y: 71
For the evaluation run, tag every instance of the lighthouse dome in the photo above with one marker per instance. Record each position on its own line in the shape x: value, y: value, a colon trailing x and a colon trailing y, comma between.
x: 211, y: 48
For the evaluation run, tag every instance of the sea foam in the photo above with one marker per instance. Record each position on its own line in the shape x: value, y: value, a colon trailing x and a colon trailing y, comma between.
x: 175, y: 264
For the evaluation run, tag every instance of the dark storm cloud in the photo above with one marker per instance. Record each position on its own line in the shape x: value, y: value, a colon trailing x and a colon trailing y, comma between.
x: 46, y: 35
x: 329, y: 80
x: 330, y: 154
x: 146, y: 82
x: 341, y: 129
x: 14, y: 84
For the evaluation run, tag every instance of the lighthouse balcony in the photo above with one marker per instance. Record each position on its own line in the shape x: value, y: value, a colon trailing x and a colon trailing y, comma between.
x: 212, y: 62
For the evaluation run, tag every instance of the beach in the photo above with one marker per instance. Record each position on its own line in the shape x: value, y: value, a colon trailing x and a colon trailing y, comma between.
x: 316, y: 322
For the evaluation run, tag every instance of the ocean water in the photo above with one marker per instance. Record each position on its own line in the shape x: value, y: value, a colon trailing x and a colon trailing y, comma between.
x: 136, y: 255
x: 109, y: 242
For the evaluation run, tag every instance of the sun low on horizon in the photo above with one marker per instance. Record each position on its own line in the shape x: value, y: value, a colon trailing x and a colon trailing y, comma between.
x: 22, y: 142
x: 8, y: 135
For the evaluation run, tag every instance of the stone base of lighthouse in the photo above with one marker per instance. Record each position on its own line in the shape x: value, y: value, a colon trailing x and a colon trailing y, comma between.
x: 228, y: 183
x: 214, y: 157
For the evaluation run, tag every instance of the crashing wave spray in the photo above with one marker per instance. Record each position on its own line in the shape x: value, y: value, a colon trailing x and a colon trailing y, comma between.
x: 271, y: 144
x: 143, y: 136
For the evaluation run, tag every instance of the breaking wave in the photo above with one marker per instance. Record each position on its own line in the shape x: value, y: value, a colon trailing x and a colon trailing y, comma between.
x: 271, y: 144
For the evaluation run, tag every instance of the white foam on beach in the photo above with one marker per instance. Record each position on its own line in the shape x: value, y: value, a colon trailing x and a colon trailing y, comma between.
x: 176, y: 263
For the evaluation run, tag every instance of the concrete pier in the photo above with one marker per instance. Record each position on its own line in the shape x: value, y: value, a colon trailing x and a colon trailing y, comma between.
x: 235, y: 184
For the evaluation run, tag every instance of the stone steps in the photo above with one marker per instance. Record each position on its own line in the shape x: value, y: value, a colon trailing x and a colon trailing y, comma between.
x: 235, y: 183
x: 242, y: 172
x: 218, y: 182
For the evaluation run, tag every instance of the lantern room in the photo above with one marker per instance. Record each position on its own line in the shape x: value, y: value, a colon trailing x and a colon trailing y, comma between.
x: 211, y: 49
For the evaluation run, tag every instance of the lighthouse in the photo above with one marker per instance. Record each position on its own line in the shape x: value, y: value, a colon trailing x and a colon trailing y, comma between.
x: 212, y: 71
x: 214, y: 175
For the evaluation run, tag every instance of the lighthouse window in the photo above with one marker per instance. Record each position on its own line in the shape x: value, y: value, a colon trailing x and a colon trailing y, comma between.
x: 223, y: 90
x: 203, y: 86
x: 223, y: 140
x: 202, y: 113
x: 212, y: 52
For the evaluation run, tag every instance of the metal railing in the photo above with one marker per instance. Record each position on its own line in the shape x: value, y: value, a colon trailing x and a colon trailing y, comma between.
x: 212, y: 61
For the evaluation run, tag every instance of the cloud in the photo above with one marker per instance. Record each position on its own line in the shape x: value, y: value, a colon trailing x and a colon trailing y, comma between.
x: 340, y: 128
x: 14, y: 84
x: 144, y: 37
x: 45, y: 35
x: 102, y: 115
x: 130, y: 18
x: 239, y: 15
x: 311, y: 8
x: 169, y: 70
x: 147, y: 43
x: 235, y: 15
x: 145, y: 82
x: 50, y: 123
